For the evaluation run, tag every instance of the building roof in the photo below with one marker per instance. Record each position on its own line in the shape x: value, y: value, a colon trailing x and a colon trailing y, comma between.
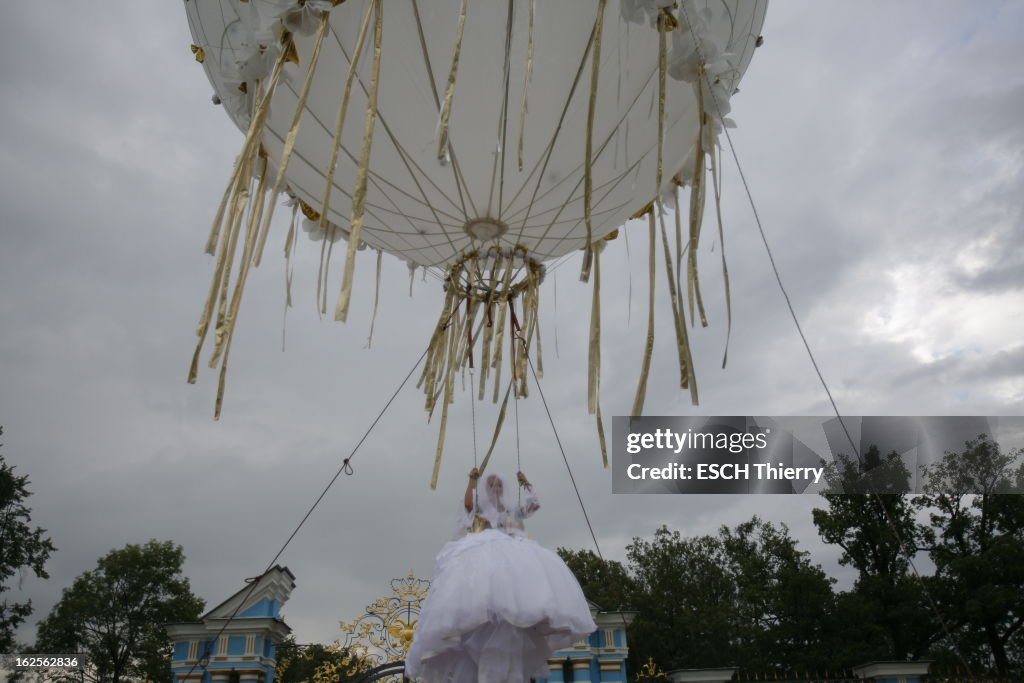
x: 276, y: 584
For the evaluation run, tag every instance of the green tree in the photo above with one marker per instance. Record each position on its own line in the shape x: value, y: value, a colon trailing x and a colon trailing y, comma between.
x: 870, y: 517
x: 747, y: 596
x: 316, y: 663
x: 606, y: 583
x: 684, y: 601
x: 782, y: 604
x: 975, y: 537
x: 21, y: 548
x: 116, y: 613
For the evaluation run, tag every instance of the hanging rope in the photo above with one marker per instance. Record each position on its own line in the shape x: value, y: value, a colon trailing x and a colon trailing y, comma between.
x: 572, y: 478
x: 519, y: 463
x: 346, y: 467
x: 835, y: 408
x: 472, y: 405
x: 472, y: 408
x: 497, y: 426
x: 565, y: 458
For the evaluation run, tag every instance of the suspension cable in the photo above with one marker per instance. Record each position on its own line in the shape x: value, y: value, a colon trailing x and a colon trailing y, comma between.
x: 472, y: 406
x: 519, y: 462
x: 568, y: 468
x: 796, y: 322
x: 346, y: 468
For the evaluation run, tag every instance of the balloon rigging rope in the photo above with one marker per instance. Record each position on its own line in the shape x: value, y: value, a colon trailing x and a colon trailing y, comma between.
x: 377, y: 181
x: 611, y: 184
x: 568, y: 469
x: 519, y: 460
x: 407, y: 160
x: 498, y: 165
x: 410, y: 163
x: 561, y: 449
x: 456, y: 169
x: 472, y: 405
x: 835, y: 408
x: 536, y: 195
x: 346, y: 467
x: 373, y: 178
x: 558, y: 128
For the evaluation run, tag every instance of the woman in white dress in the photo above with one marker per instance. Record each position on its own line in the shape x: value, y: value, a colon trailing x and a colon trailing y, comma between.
x: 499, y: 604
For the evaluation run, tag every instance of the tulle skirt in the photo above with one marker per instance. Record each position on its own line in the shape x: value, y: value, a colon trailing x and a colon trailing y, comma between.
x: 498, y: 607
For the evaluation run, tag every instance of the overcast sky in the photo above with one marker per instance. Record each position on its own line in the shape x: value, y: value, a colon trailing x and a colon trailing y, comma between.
x: 884, y: 145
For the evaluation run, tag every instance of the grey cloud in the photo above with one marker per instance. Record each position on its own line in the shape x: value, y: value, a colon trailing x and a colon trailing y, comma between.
x: 873, y: 138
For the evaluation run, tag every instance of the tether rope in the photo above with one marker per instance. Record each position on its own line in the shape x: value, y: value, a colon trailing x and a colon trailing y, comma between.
x: 561, y: 449
x: 519, y: 462
x: 835, y: 408
x: 568, y: 468
x: 472, y: 404
x: 346, y: 467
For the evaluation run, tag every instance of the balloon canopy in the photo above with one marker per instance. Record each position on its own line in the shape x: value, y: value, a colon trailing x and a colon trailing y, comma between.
x: 479, y: 139
x: 512, y: 170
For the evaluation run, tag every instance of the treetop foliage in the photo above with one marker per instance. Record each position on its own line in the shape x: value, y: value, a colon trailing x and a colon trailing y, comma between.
x: 22, y: 548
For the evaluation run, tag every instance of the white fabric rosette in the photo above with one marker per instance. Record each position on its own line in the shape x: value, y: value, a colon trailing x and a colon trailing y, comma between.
x: 641, y: 11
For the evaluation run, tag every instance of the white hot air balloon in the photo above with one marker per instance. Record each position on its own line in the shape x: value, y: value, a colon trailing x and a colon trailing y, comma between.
x: 479, y: 139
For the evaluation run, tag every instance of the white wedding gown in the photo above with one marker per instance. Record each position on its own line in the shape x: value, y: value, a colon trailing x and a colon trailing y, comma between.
x: 499, y: 603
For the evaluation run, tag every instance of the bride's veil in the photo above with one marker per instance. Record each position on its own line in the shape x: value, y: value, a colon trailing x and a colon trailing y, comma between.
x: 490, y: 499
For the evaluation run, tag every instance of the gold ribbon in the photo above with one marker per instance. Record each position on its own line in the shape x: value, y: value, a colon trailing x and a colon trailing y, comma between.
x: 326, y: 249
x: 485, y: 355
x: 662, y: 68
x: 226, y: 246
x: 717, y: 184
x: 376, y: 300
x: 645, y: 365
x: 449, y: 395
x: 339, y: 121
x: 679, y: 240
x: 236, y: 301
x: 526, y: 83
x: 253, y: 133
x: 697, y: 206
x: 359, y: 195
x: 497, y: 427
x: 237, y: 213
x: 289, y: 248
x: 437, y: 341
x: 667, y: 21
x: 255, y: 205
x: 437, y: 350
x: 678, y: 319
x: 483, y: 303
x: 588, y: 170
x: 293, y: 133
x: 594, y: 380
x: 536, y: 318
x: 449, y: 92
x: 499, y: 333
x: 594, y: 355
x: 440, y: 443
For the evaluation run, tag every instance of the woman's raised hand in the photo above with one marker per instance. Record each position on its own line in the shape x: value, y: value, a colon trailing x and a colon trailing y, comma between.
x: 474, y: 474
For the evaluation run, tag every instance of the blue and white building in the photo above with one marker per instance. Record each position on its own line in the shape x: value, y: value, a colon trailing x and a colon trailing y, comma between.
x: 246, y: 651
x: 598, y: 659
